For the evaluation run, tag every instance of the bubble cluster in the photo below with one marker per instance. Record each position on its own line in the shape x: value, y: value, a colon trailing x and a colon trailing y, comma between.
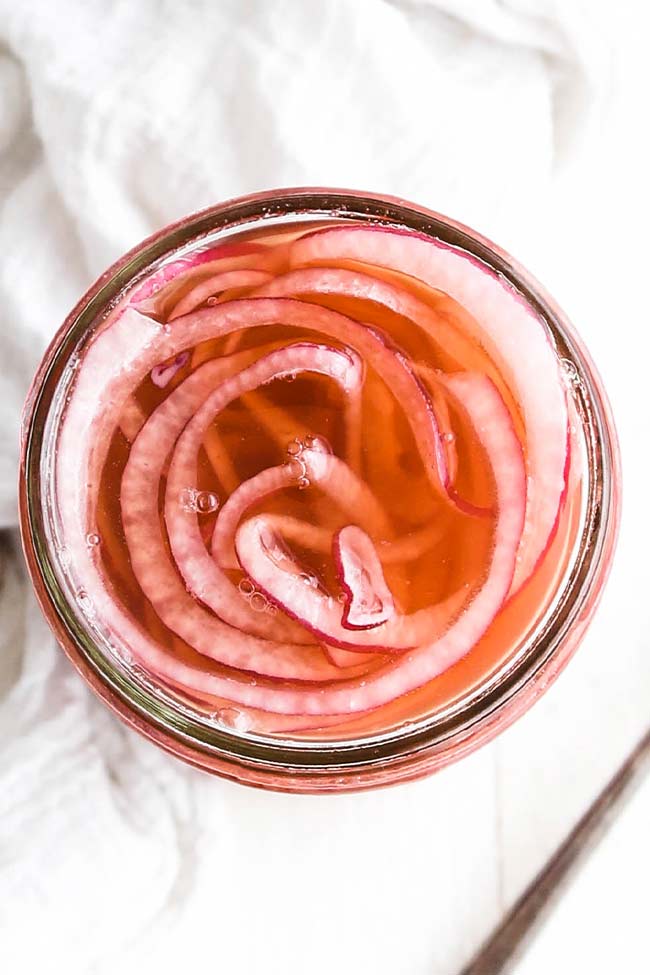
x: 297, y: 465
x: 258, y: 602
x: 296, y: 462
x: 256, y: 599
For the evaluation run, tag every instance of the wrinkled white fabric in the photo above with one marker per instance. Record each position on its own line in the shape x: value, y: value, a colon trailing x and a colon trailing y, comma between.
x: 116, y: 118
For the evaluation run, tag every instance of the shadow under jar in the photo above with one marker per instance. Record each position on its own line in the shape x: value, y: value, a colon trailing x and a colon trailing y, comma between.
x: 319, y: 489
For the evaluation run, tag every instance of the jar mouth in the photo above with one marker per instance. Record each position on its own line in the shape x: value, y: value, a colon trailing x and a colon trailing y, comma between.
x: 139, y: 700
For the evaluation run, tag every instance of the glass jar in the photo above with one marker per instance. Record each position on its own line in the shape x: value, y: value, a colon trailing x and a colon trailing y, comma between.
x: 290, y: 763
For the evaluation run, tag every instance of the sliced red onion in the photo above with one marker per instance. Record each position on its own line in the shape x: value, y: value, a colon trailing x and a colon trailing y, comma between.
x: 112, y: 367
x: 353, y: 426
x: 248, y: 493
x: 494, y: 426
x: 337, y: 281
x: 315, y: 538
x: 369, y: 601
x: 165, y: 372
x: 203, y: 576
x: 512, y: 334
x: 347, y: 659
x: 120, y: 357
x: 430, y: 377
x: 222, y: 257
x: 310, y: 464
x: 132, y: 419
x: 301, y: 598
x: 156, y: 574
x: 242, y: 278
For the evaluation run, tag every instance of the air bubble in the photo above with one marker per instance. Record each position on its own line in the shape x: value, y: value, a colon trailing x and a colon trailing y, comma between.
x: 294, y: 448
x: 258, y: 602
x: 341, y: 597
x: 246, y: 587
x: 206, y: 502
x: 85, y: 603
x: 92, y: 539
x: 271, y: 609
x: 202, y: 502
x: 448, y: 437
x: 212, y: 301
x: 308, y: 580
x: 297, y: 468
x: 303, y: 482
x: 310, y: 440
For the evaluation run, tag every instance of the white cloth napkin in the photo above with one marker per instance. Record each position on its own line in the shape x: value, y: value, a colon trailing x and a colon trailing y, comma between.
x: 116, y: 118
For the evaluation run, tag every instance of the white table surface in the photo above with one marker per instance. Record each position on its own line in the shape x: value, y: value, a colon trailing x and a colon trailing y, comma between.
x: 407, y: 880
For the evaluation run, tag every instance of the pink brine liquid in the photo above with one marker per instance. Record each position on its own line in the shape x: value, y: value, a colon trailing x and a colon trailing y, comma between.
x: 321, y: 482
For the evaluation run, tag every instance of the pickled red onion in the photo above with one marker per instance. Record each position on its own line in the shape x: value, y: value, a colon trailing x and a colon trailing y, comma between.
x: 369, y: 601
x: 516, y: 338
x: 336, y: 692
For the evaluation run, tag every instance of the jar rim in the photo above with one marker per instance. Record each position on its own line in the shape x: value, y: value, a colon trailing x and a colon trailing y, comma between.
x: 295, y: 764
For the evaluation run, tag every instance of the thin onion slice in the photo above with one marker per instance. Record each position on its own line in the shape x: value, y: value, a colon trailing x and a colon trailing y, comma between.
x: 112, y: 368
x: 316, y: 466
x: 242, y: 278
x: 203, y: 576
x: 369, y: 601
x: 156, y: 574
x: 316, y: 538
x: 488, y: 414
x: 514, y: 337
x: 260, y: 552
